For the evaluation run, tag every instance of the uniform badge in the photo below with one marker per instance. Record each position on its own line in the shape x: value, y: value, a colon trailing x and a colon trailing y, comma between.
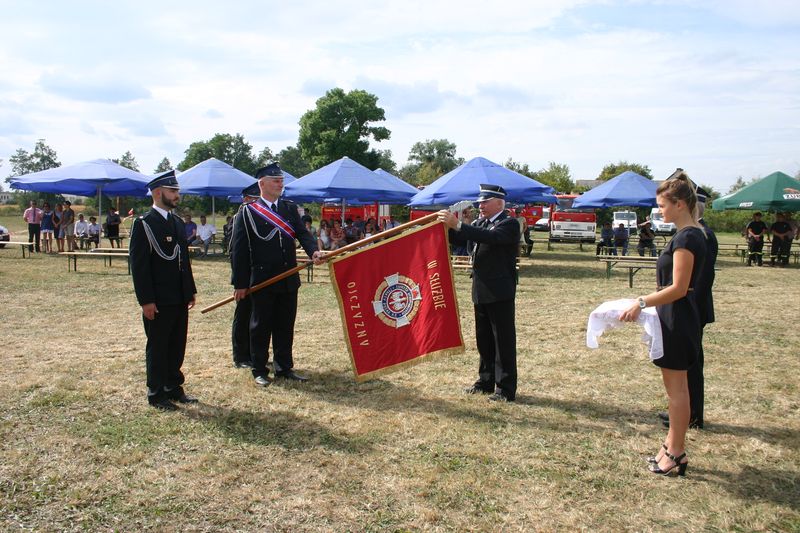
x: 169, y: 238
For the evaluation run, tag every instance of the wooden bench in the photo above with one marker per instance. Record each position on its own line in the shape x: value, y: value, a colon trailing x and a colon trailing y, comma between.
x: 463, y: 262
x: 633, y: 263
x: 72, y: 257
x: 23, y: 245
x: 738, y: 249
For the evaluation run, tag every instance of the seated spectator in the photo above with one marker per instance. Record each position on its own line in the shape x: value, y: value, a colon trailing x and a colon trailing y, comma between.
x: 370, y: 229
x: 646, y: 238
x: 324, y: 236
x: 227, y: 231
x: 338, y: 238
x: 204, y: 234
x: 94, y: 233
x: 621, y: 239
x: 4, y: 236
x: 351, y: 231
x: 360, y: 224
x: 81, y: 230
x: 606, y: 240
x: 191, y: 228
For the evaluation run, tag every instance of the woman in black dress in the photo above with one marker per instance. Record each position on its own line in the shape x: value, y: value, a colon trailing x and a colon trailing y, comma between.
x: 679, y: 266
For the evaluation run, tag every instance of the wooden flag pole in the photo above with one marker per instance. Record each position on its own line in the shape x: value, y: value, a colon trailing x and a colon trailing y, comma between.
x: 328, y: 255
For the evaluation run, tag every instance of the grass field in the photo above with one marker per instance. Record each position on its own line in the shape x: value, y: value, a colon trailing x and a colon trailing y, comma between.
x: 80, y: 449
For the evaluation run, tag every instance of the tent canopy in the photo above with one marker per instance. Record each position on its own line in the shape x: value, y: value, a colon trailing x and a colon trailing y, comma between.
x: 213, y: 177
x: 85, y: 179
x: 776, y: 192
x: 628, y: 189
x: 463, y: 183
x: 350, y: 181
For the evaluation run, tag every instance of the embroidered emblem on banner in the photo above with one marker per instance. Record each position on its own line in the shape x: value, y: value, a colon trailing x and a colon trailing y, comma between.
x: 273, y: 218
x: 397, y: 300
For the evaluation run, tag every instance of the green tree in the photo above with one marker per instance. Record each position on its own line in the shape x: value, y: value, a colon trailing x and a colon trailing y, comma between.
x: 341, y: 125
x: 557, y: 176
x: 519, y: 168
x: 163, y: 166
x: 232, y: 149
x: 42, y: 158
x: 291, y: 160
x: 23, y: 162
x: 430, y: 159
x: 712, y: 193
x: 740, y: 183
x: 264, y: 157
x: 612, y: 170
x: 128, y: 161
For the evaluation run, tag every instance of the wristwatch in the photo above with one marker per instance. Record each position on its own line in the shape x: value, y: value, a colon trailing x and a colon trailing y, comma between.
x: 642, y: 304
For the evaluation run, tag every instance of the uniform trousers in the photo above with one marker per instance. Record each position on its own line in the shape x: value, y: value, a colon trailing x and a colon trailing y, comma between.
x: 496, y: 337
x: 272, y: 316
x: 166, y: 345
x: 694, y: 376
x: 34, y: 233
x: 240, y: 331
x: 755, y: 248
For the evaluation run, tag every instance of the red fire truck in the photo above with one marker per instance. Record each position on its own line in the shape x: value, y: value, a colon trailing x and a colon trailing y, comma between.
x: 568, y: 224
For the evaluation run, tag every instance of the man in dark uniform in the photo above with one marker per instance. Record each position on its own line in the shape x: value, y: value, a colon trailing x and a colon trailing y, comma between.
x: 164, y: 286
x: 263, y: 245
x: 756, y: 230
x: 493, y: 242
x: 704, y: 300
x: 781, y: 240
x: 240, y: 329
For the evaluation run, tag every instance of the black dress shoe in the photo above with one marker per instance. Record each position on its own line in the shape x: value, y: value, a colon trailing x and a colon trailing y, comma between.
x: 290, y: 375
x: 163, y: 405
x: 476, y: 388
x: 185, y: 398
x: 500, y: 397
x: 263, y: 381
x: 243, y: 364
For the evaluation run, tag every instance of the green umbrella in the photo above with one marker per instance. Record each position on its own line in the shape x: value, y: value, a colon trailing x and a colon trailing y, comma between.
x: 776, y: 192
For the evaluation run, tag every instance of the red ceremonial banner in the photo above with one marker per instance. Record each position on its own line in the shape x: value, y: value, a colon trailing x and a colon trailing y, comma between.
x: 397, y: 301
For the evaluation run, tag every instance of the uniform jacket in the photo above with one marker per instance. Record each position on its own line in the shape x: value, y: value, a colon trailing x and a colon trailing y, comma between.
x: 494, y: 257
x: 254, y: 259
x: 702, y: 288
x: 156, y: 280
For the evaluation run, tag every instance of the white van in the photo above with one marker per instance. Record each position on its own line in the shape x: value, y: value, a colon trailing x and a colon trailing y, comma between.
x: 627, y: 219
x: 659, y: 226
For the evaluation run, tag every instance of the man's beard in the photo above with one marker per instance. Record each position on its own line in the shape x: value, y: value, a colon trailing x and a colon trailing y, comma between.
x: 170, y: 203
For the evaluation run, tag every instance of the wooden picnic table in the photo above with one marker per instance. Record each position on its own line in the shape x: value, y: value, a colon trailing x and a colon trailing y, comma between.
x: 633, y: 263
x: 24, y: 245
x: 107, y: 258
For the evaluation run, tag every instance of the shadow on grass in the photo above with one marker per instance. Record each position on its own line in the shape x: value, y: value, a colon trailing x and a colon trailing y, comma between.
x: 753, y: 484
x: 278, y: 428
x: 787, y: 437
x: 381, y: 395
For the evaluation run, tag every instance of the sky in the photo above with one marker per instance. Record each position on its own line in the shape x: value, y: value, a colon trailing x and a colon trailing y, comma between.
x: 710, y: 86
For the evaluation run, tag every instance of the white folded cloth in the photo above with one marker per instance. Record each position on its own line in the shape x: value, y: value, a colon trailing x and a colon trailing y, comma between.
x: 606, y: 316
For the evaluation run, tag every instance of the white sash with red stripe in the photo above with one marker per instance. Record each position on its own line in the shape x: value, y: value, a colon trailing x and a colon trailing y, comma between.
x: 272, y: 217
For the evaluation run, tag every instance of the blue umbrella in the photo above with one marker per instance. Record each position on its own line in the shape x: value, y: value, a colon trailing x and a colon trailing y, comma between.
x: 237, y: 198
x: 628, y: 189
x: 213, y: 177
x: 349, y: 181
x: 463, y: 183
x: 96, y: 177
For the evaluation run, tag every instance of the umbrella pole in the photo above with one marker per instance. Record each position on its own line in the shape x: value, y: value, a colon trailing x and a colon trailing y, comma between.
x: 344, y: 206
x: 213, y: 213
x: 99, y: 201
x: 329, y: 255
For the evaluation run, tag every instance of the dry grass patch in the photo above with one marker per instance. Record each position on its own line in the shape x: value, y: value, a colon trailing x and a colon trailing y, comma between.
x: 80, y: 449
